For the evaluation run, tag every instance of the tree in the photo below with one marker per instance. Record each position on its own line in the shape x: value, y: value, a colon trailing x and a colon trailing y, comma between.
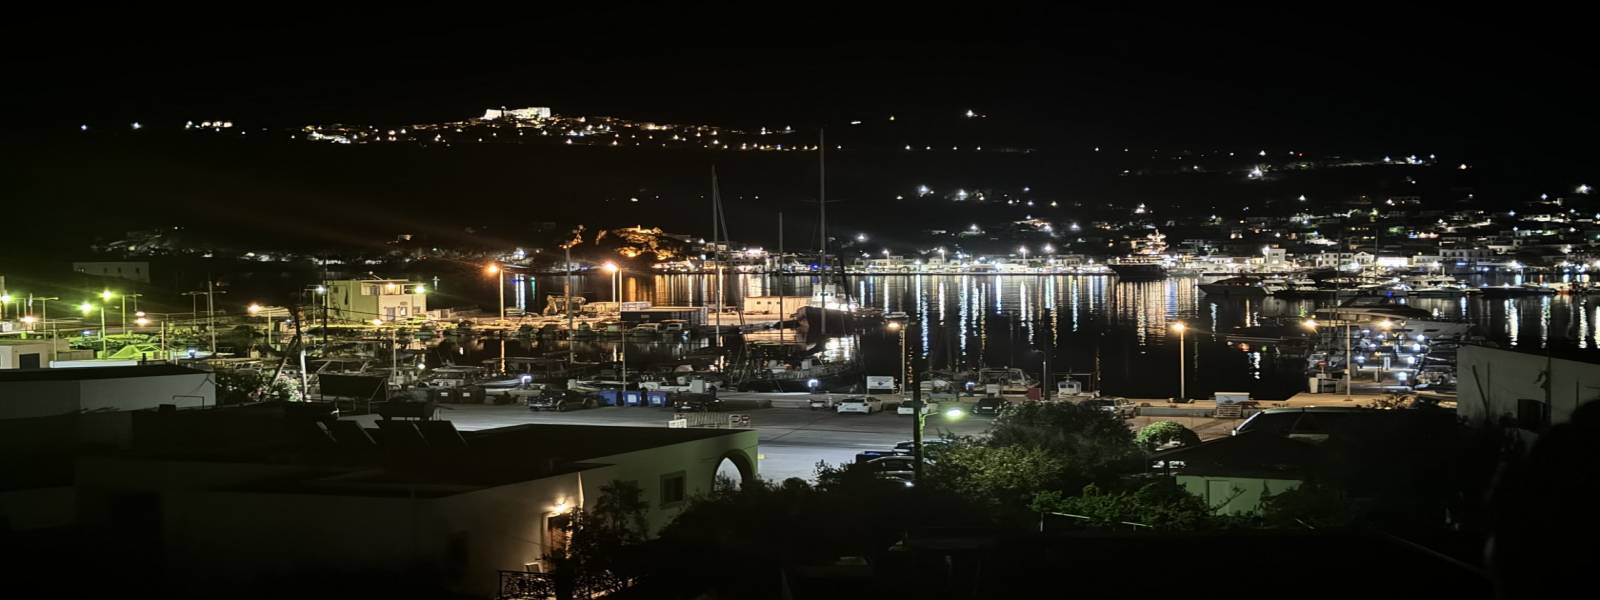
x: 602, y: 553
x: 1000, y: 478
x: 1094, y: 444
x: 1160, y: 433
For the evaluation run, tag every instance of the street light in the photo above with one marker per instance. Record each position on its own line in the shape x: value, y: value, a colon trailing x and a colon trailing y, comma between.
x: 89, y: 308
x: 1183, y: 392
x: 616, y: 283
x: 500, y: 276
x: 255, y: 309
x: 918, y: 419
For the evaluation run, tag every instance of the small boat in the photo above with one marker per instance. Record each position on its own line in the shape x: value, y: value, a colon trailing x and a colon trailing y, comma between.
x: 1235, y: 287
x: 645, y: 330
x: 1517, y: 291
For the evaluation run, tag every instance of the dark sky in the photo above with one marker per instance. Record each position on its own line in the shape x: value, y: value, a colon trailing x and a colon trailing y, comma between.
x: 1344, y: 75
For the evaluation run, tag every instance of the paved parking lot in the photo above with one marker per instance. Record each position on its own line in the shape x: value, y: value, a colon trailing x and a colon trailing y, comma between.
x: 792, y: 440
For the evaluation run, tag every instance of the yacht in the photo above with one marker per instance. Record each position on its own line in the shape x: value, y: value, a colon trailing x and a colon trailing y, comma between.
x: 1235, y: 286
x: 1437, y: 286
x: 1145, y: 263
x: 1138, y: 267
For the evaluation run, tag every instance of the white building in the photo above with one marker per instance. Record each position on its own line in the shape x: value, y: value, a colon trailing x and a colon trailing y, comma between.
x: 519, y: 114
x: 1497, y: 385
x: 25, y: 354
x: 362, y: 300
x: 26, y: 394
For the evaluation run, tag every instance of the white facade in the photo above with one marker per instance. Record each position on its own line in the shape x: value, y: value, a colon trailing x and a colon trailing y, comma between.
x: 1506, y: 385
x: 54, y: 392
x: 25, y: 354
x: 520, y: 114
x: 774, y: 305
x: 362, y: 300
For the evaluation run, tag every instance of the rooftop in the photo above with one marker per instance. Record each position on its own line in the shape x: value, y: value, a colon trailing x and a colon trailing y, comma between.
x: 87, y: 373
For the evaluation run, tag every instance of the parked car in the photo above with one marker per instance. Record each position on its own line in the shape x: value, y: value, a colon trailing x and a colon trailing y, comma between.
x: 857, y: 404
x: 697, y: 403
x: 894, y: 467
x: 560, y: 400
x: 821, y: 402
x: 1118, y: 406
x: 927, y: 445
x: 989, y: 405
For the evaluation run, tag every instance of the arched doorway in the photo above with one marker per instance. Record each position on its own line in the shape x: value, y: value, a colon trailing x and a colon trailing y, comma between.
x: 733, y: 471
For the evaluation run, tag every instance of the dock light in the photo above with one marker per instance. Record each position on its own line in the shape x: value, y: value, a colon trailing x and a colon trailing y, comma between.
x: 141, y: 321
x: 1179, y: 327
x: 812, y: 383
x: 954, y: 413
x: 420, y: 289
x: 1310, y: 324
x: 1385, y: 324
x: 138, y: 313
x: 322, y: 289
x: 86, y: 308
x: 253, y: 308
x: 377, y: 322
x: 492, y: 268
x: 106, y: 295
x: 610, y: 267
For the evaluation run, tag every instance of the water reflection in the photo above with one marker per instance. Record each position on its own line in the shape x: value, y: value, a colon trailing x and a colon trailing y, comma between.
x: 1120, y: 330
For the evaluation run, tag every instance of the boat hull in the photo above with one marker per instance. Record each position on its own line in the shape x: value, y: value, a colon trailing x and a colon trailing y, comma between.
x: 1139, y: 272
x: 1235, y: 291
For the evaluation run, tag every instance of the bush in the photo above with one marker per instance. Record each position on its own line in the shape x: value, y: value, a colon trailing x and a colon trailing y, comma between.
x: 1160, y: 433
x: 1161, y: 505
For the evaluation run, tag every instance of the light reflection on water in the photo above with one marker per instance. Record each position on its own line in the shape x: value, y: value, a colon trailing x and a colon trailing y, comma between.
x: 1124, y: 327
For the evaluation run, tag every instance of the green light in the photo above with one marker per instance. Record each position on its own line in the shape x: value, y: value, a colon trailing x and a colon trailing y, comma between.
x: 106, y: 295
x: 86, y: 308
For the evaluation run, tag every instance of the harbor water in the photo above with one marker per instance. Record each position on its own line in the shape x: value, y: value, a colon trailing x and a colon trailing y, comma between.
x: 1114, y: 336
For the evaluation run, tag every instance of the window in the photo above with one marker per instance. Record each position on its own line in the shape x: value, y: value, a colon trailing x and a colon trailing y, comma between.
x: 557, y: 532
x: 672, y: 488
x: 369, y: 290
x: 1532, y: 415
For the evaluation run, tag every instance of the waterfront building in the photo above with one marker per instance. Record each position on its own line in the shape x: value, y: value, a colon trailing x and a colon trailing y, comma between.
x: 362, y: 300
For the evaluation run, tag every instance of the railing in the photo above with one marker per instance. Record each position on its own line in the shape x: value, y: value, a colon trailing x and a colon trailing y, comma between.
x: 522, y: 584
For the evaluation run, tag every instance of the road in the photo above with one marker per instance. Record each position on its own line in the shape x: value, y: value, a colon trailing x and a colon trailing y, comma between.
x: 792, y: 440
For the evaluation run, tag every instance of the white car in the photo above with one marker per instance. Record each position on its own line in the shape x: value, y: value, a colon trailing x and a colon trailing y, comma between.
x: 857, y: 405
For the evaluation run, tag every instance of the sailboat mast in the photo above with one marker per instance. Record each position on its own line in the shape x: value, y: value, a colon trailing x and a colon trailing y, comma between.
x: 716, y: 213
x: 822, y: 207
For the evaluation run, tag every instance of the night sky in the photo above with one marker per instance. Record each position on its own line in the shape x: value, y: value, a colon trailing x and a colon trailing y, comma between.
x: 1494, y: 89
x: 1344, y: 75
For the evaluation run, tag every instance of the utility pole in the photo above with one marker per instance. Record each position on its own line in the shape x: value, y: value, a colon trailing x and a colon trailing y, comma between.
x: 572, y: 354
x: 916, y: 409
x: 211, y: 314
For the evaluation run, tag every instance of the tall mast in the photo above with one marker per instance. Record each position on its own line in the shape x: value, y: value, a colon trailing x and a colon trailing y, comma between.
x: 716, y: 213
x: 822, y: 207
